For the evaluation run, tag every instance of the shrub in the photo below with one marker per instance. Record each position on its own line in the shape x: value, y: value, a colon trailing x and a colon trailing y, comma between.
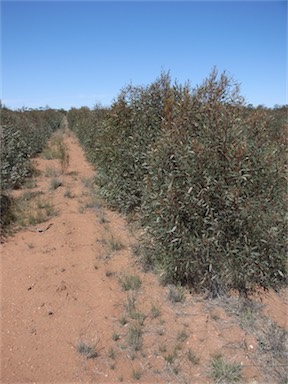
x: 214, y: 195
x: 6, y: 213
x: 15, y: 164
x: 117, y: 140
x: 87, y: 125
x: 23, y: 135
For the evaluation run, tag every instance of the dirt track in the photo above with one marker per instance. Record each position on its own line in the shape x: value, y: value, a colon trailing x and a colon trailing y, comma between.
x: 61, y: 286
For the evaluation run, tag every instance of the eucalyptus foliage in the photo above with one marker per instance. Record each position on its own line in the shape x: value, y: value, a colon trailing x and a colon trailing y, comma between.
x: 23, y: 134
x: 214, y: 200
x: 206, y: 174
x: 134, y: 123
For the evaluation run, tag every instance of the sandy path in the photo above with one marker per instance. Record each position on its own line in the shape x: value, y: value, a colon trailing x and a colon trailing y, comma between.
x: 51, y: 294
x: 62, y: 286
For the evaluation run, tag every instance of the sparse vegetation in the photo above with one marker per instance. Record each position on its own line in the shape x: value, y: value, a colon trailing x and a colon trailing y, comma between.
x: 134, y: 336
x: 115, y: 244
x: 130, y: 305
x: 271, y: 338
x: 215, y: 317
x: 192, y: 357
x: 50, y: 172
x: 136, y: 375
x: 115, y: 336
x: 68, y: 194
x: 273, y: 342
x: 63, y: 156
x: 88, y: 350
x: 32, y: 208
x: 55, y: 183
x: 102, y: 218
x: 81, y: 209
x: 130, y: 282
x: 57, y: 149
x: 182, y: 336
x: 87, y: 182
x: 30, y: 183
x: 176, y: 294
x: 123, y: 320
x: 162, y: 348
x: 155, y: 311
x: 111, y: 353
x: 161, y: 331
x: 139, y: 316
x: 170, y: 358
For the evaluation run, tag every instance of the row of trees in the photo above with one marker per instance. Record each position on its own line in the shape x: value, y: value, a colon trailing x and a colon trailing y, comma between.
x: 23, y: 135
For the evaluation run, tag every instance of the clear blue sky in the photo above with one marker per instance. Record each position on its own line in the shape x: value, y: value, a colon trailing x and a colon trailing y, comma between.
x: 77, y: 53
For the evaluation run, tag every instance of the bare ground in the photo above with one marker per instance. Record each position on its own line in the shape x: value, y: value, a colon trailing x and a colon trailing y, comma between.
x: 66, y: 317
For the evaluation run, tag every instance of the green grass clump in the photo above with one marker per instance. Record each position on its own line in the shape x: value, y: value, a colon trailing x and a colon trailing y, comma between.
x: 136, y: 375
x: 115, y: 244
x: 111, y: 353
x: 176, y: 294
x: 182, y: 336
x: 192, y: 357
x: 225, y: 373
x: 68, y: 194
x: 134, y: 336
x: 123, y: 320
x: 32, y: 208
x: 115, y: 336
x: 88, y: 350
x: 130, y: 305
x: 170, y: 357
x: 155, y: 311
x: 130, y: 282
x: 55, y: 183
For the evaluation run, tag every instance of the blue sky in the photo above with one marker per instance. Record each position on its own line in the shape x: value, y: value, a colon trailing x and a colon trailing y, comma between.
x: 76, y: 53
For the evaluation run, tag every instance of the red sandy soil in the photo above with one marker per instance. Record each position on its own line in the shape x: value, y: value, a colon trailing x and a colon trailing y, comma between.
x: 61, y: 286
